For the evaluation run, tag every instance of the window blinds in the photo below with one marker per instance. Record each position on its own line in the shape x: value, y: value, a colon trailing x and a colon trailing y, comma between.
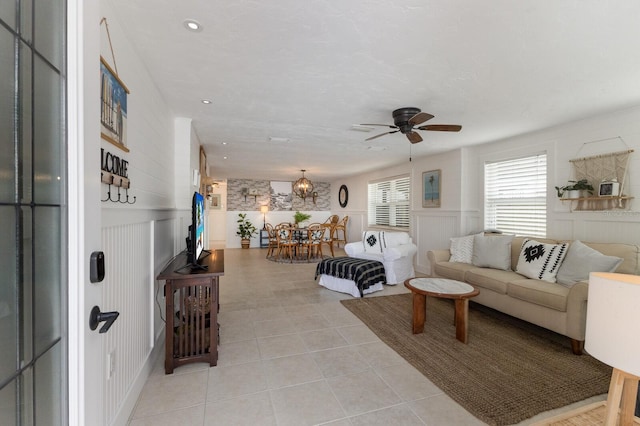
x: 389, y: 202
x: 516, y: 195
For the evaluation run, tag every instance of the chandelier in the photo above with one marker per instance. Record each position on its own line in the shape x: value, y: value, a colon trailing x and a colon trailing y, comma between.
x: 303, y: 186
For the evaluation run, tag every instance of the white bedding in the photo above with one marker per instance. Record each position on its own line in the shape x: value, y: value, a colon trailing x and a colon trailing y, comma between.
x: 346, y: 286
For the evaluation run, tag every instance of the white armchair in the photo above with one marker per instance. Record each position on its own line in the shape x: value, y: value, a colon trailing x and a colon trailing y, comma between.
x: 394, y: 249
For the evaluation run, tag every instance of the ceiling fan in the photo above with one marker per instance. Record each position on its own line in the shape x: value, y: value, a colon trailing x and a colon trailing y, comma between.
x: 405, y: 119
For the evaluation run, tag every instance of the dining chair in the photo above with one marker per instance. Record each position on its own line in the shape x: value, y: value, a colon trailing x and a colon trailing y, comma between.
x: 327, y: 237
x: 341, y: 227
x: 312, y: 244
x: 273, y: 239
x: 286, y: 243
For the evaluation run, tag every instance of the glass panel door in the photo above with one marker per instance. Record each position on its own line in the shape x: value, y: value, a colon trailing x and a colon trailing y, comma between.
x: 33, y: 373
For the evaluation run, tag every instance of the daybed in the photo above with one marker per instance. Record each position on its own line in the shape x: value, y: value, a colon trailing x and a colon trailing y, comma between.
x: 560, y: 305
x: 394, y: 249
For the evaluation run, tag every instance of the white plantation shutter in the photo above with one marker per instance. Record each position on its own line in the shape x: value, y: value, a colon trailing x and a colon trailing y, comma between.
x: 389, y: 202
x: 515, y: 194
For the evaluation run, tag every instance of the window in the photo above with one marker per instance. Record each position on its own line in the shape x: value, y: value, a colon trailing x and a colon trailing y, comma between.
x: 389, y: 202
x: 515, y: 195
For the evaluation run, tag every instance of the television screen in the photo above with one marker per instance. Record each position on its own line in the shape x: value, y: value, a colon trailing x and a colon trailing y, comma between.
x: 197, y: 228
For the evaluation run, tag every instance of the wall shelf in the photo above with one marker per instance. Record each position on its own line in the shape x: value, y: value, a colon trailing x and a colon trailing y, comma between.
x: 598, y: 203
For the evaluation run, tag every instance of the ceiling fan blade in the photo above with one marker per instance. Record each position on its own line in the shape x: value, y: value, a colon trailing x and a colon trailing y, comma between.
x: 414, y: 137
x: 419, y: 118
x: 442, y: 127
x: 382, y: 134
x: 384, y: 125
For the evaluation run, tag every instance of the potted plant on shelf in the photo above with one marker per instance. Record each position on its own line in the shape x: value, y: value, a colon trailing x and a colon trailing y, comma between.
x: 245, y: 230
x: 575, y: 189
x: 300, y: 217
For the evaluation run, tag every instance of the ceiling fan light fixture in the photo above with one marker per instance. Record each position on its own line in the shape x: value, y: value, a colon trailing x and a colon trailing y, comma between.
x: 303, y: 187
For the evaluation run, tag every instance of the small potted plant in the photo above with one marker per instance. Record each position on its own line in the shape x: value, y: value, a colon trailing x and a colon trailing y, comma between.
x: 300, y: 217
x: 576, y: 189
x: 245, y: 230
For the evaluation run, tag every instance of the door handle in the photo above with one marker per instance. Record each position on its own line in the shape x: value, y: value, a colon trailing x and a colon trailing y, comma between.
x: 96, y: 317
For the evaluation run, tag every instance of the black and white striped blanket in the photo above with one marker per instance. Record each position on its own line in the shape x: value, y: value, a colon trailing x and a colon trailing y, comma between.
x: 364, y: 273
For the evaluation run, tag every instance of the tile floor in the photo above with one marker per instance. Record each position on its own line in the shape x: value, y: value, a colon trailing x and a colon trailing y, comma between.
x: 291, y: 354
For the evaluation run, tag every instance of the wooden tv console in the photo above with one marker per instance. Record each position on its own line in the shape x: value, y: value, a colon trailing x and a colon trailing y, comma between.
x: 192, y: 305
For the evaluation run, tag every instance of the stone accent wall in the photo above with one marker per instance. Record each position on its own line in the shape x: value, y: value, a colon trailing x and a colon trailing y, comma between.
x: 237, y: 201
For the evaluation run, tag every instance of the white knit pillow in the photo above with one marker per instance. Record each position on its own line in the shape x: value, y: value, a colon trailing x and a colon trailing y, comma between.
x: 461, y: 249
x: 541, y: 261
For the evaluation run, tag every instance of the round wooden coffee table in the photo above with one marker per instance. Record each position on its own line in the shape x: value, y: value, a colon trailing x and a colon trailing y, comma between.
x: 445, y: 289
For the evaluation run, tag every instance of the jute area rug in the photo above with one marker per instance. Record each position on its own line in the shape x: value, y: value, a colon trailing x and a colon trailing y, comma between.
x: 508, y: 372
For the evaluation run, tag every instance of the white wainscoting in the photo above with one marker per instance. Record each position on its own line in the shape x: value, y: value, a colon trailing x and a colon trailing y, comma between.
x: 126, y: 289
x: 432, y: 231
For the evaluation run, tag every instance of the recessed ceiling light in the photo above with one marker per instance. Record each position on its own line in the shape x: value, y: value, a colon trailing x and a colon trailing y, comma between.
x: 224, y: 143
x: 206, y: 101
x: 192, y: 25
x: 224, y: 157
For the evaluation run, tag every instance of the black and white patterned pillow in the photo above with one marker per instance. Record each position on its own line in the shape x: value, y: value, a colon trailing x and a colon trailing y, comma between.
x: 541, y: 261
x: 373, y: 241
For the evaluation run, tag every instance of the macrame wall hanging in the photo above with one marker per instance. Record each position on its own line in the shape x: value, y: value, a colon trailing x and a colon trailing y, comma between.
x: 609, y: 167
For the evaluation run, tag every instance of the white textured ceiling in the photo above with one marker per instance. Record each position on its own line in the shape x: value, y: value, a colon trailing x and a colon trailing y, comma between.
x: 307, y: 70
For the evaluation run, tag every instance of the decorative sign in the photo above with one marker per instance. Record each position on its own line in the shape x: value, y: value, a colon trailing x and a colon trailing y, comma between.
x: 113, y: 107
x: 114, y: 170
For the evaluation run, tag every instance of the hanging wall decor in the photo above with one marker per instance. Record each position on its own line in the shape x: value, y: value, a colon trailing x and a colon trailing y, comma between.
x: 113, y: 102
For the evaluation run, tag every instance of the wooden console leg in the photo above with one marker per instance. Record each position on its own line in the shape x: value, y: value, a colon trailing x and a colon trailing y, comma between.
x: 577, y: 346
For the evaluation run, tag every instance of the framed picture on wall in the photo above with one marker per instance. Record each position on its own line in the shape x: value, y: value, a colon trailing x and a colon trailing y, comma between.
x: 431, y: 188
x: 216, y: 202
x: 113, y: 107
x: 281, y: 194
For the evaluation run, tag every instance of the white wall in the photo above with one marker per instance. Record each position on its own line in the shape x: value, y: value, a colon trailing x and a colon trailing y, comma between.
x: 461, y: 211
x: 138, y: 239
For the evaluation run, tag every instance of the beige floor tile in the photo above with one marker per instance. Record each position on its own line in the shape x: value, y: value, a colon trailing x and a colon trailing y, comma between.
x: 236, y: 332
x: 185, y: 416
x: 172, y: 392
x: 275, y: 327
x: 341, y: 319
x: 291, y: 370
x: 240, y: 352
x: 306, y: 404
x: 357, y: 334
x: 277, y: 346
x: 318, y: 340
x: 249, y: 410
x: 340, y: 361
x: 309, y: 323
x: 407, y: 382
x: 396, y: 415
x: 235, y: 380
x: 442, y: 410
x: 378, y: 354
x: 362, y: 392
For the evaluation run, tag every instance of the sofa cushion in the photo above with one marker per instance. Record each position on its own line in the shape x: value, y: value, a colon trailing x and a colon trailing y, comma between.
x: 461, y: 249
x: 492, y: 252
x: 370, y: 256
x: 582, y: 259
x: 540, y: 292
x: 492, y: 279
x: 395, y: 239
x: 452, y: 270
x: 541, y: 261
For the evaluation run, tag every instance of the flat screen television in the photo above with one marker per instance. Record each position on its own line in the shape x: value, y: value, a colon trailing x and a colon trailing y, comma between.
x: 196, y: 238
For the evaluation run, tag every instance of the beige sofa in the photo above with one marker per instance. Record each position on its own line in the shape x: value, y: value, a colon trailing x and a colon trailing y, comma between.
x: 553, y: 306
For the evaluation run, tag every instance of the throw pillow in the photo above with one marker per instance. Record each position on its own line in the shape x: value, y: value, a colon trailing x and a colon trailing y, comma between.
x: 541, y: 261
x: 461, y: 249
x: 373, y: 241
x: 492, y: 251
x: 581, y: 260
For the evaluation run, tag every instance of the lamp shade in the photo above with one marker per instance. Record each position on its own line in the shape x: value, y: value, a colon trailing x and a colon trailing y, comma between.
x: 264, y: 209
x: 613, y: 320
